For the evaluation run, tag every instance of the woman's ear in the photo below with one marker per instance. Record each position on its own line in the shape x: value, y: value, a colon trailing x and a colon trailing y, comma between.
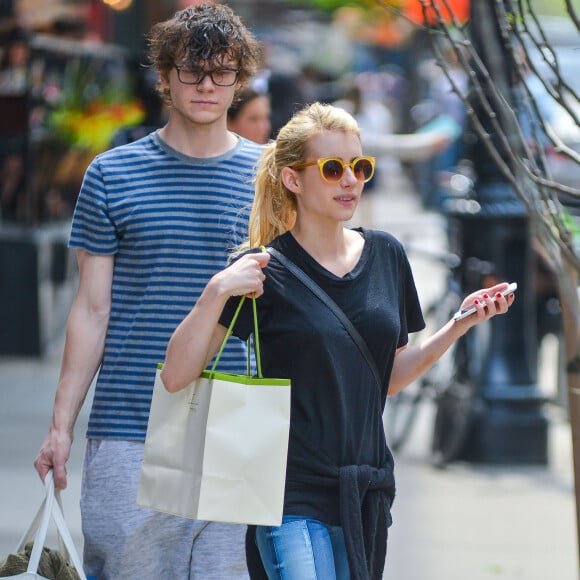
x: 289, y: 178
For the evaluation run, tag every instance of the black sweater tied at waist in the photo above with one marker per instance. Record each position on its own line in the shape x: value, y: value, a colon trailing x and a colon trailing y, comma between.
x: 366, y: 496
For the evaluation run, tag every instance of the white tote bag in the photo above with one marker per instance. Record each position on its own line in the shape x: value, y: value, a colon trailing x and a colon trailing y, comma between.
x: 37, y: 532
x: 217, y: 449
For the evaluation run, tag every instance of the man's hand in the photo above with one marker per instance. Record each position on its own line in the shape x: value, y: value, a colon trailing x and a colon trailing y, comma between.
x: 54, y: 454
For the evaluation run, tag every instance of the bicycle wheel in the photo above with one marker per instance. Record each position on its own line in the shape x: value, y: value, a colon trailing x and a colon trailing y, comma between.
x: 399, y: 415
x: 456, y: 402
x: 401, y: 409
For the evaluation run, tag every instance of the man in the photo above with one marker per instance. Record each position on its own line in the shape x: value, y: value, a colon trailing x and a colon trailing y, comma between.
x: 154, y: 221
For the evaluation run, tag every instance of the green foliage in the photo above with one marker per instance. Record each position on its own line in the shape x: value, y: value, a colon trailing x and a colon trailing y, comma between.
x: 549, y: 7
x: 332, y: 5
x: 573, y: 226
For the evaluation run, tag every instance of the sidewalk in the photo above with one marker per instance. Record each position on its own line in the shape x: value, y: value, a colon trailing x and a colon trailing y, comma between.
x: 466, y: 522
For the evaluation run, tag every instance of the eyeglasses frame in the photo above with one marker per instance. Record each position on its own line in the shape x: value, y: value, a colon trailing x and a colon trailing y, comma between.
x: 320, y: 162
x: 206, y: 73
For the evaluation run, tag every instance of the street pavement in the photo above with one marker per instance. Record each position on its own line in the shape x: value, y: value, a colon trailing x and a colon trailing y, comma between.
x: 465, y: 522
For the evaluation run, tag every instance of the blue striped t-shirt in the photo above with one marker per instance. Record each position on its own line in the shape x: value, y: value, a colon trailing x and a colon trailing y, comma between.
x: 170, y: 220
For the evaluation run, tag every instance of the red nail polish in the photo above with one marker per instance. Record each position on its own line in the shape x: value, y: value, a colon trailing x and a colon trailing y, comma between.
x: 486, y: 296
x: 476, y: 301
x: 498, y: 295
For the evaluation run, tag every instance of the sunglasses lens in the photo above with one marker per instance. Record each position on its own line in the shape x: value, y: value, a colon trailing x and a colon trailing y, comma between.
x: 363, y: 169
x: 332, y: 170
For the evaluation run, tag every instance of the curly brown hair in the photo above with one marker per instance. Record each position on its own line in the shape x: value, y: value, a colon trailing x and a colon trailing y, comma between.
x: 206, y: 33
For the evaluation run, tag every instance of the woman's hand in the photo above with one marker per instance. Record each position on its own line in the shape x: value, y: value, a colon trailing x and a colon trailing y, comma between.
x: 199, y: 335
x: 488, y: 302
x: 412, y: 362
x: 244, y: 276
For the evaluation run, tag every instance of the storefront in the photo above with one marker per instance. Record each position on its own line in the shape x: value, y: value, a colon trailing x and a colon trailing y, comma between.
x: 61, y: 100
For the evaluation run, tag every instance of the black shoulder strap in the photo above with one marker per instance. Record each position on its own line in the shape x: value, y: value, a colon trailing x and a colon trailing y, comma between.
x: 337, y: 311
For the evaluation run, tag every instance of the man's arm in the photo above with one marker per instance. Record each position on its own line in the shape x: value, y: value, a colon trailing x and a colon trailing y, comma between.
x: 83, y: 351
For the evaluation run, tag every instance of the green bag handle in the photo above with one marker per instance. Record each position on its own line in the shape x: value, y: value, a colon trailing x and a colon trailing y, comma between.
x: 256, y: 336
x: 229, y: 333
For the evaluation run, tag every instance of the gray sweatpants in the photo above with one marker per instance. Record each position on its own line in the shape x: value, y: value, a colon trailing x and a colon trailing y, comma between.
x: 123, y: 541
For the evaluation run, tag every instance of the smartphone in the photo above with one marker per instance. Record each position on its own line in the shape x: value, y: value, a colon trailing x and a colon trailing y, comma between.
x: 469, y: 311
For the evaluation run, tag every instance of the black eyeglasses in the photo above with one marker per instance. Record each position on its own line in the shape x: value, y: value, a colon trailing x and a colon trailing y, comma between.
x: 332, y: 169
x: 222, y: 77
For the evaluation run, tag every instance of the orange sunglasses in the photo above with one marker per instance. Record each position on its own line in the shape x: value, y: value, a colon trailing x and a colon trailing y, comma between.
x: 332, y: 168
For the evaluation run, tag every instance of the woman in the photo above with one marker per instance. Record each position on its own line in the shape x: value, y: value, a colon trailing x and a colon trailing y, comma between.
x: 340, y: 484
x: 249, y: 115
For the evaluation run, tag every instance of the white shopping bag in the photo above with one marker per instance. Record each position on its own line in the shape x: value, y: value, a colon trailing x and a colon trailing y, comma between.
x: 50, y: 509
x: 217, y: 449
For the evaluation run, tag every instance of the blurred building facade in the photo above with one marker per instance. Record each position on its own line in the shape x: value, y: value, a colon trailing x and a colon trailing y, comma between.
x: 68, y: 82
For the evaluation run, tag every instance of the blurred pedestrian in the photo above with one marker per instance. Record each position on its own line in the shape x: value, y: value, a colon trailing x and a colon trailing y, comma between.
x: 372, y: 114
x: 154, y: 221
x: 14, y: 61
x: 249, y: 115
x: 447, y: 90
x: 340, y: 483
x: 287, y: 96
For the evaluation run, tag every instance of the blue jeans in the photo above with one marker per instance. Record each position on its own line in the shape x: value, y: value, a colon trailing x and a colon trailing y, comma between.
x: 303, y: 549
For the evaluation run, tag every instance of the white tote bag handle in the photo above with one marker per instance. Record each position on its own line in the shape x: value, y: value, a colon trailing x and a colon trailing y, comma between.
x: 38, y: 530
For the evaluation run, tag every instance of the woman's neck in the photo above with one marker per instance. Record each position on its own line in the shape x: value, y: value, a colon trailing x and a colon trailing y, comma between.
x: 337, y: 249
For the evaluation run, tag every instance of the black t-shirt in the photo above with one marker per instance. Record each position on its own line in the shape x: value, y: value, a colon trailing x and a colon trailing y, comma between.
x: 336, y: 413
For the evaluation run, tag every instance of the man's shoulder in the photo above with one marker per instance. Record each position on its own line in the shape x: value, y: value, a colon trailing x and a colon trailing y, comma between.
x: 133, y: 149
x: 249, y: 149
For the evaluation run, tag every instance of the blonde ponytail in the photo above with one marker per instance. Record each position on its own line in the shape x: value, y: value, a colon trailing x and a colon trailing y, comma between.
x: 274, y: 209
